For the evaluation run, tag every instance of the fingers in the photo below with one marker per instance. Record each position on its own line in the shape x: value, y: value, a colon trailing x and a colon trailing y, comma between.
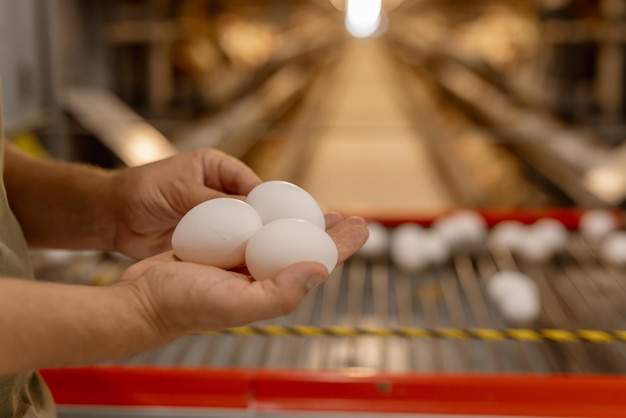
x: 224, y: 176
x: 227, y: 173
x: 162, y: 258
x: 197, y: 193
x: 281, y: 295
x: 332, y: 219
x: 349, y: 235
x: 304, y: 275
x: 140, y: 266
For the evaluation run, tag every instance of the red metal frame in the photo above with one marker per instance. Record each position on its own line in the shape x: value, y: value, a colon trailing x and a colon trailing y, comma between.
x: 570, y: 217
x: 334, y: 391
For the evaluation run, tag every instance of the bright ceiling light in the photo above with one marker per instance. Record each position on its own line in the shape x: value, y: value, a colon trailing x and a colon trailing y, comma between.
x: 363, y: 17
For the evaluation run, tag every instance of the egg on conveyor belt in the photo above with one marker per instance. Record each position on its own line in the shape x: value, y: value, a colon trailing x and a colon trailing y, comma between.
x: 437, y: 248
x: 541, y: 241
x: 506, y: 236
x: 533, y: 249
x: 595, y: 224
x: 463, y: 230
x: 553, y: 232
x: 516, y: 296
x: 414, y: 248
x: 613, y: 249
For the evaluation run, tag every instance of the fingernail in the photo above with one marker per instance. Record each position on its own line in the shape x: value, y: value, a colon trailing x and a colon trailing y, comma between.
x: 314, y: 281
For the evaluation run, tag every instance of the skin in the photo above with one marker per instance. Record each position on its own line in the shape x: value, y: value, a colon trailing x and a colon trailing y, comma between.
x: 157, y: 299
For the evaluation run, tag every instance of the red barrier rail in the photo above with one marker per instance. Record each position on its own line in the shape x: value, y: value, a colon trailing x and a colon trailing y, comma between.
x: 304, y: 391
x: 570, y: 217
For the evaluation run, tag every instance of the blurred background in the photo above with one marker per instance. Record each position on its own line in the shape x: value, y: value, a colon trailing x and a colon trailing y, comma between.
x: 386, y: 108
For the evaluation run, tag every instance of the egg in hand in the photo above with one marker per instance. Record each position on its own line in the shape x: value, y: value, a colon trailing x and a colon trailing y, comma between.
x: 216, y: 233
x: 280, y: 199
x: 283, y: 242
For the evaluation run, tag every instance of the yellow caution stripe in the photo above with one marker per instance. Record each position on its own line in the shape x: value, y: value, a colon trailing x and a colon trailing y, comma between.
x: 484, y: 334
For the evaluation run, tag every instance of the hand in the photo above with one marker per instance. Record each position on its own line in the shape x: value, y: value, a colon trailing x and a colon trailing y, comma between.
x: 181, y: 297
x: 151, y: 199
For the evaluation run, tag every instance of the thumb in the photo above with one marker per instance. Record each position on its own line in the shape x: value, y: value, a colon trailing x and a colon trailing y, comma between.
x: 305, y: 274
x: 290, y: 286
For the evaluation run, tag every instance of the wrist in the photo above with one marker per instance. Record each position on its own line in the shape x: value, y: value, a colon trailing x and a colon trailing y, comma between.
x: 146, y: 307
x: 108, y: 209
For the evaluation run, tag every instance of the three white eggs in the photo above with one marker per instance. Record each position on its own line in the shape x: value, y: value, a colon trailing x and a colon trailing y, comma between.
x: 278, y: 225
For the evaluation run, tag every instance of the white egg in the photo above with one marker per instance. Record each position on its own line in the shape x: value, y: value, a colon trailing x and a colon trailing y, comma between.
x: 553, y: 232
x: 377, y: 244
x: 414, y: 248
x: 596, y: 224
x: 446, y: 228
x: 504, y: 282
x: 464, y: 230
x: 472, y: 227
x: 534, y: 248
x: 613, y: 249
x: 406, y: 233
x: 407, y: 247
x: 437, y: 248
x: 216, y: 232
x: 506, y: 235
x: 541, y: 241
x: 280, y: 199
x: 410, y: 259
x: 524, y: 308
x: 283, y: 242
x: 515, y: 295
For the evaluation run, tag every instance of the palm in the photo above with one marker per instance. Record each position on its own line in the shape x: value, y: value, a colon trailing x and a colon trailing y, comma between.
x: 196, y: 297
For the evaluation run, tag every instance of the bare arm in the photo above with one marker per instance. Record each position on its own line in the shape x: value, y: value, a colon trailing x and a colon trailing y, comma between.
x: 60, y: 204
x: 50, y: 324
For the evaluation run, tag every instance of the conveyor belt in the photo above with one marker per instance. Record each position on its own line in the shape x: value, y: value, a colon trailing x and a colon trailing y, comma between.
x: 423, y: 329
x: 372, y: 315
x: 450, y: 324
x: 372, y: 319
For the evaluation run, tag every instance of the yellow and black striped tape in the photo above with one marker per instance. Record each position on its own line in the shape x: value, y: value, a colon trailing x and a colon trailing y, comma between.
x: 485, y: 334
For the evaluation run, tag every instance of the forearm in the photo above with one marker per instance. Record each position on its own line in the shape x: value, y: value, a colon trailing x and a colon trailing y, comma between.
x: 46, y: 325
x: 60, y: 204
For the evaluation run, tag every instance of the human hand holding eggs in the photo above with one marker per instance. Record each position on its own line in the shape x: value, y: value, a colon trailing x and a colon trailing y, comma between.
x: 184, y: 297
x: 278, y: 225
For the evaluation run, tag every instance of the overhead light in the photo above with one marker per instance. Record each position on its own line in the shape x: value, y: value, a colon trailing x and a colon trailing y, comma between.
x: 363, y: 17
